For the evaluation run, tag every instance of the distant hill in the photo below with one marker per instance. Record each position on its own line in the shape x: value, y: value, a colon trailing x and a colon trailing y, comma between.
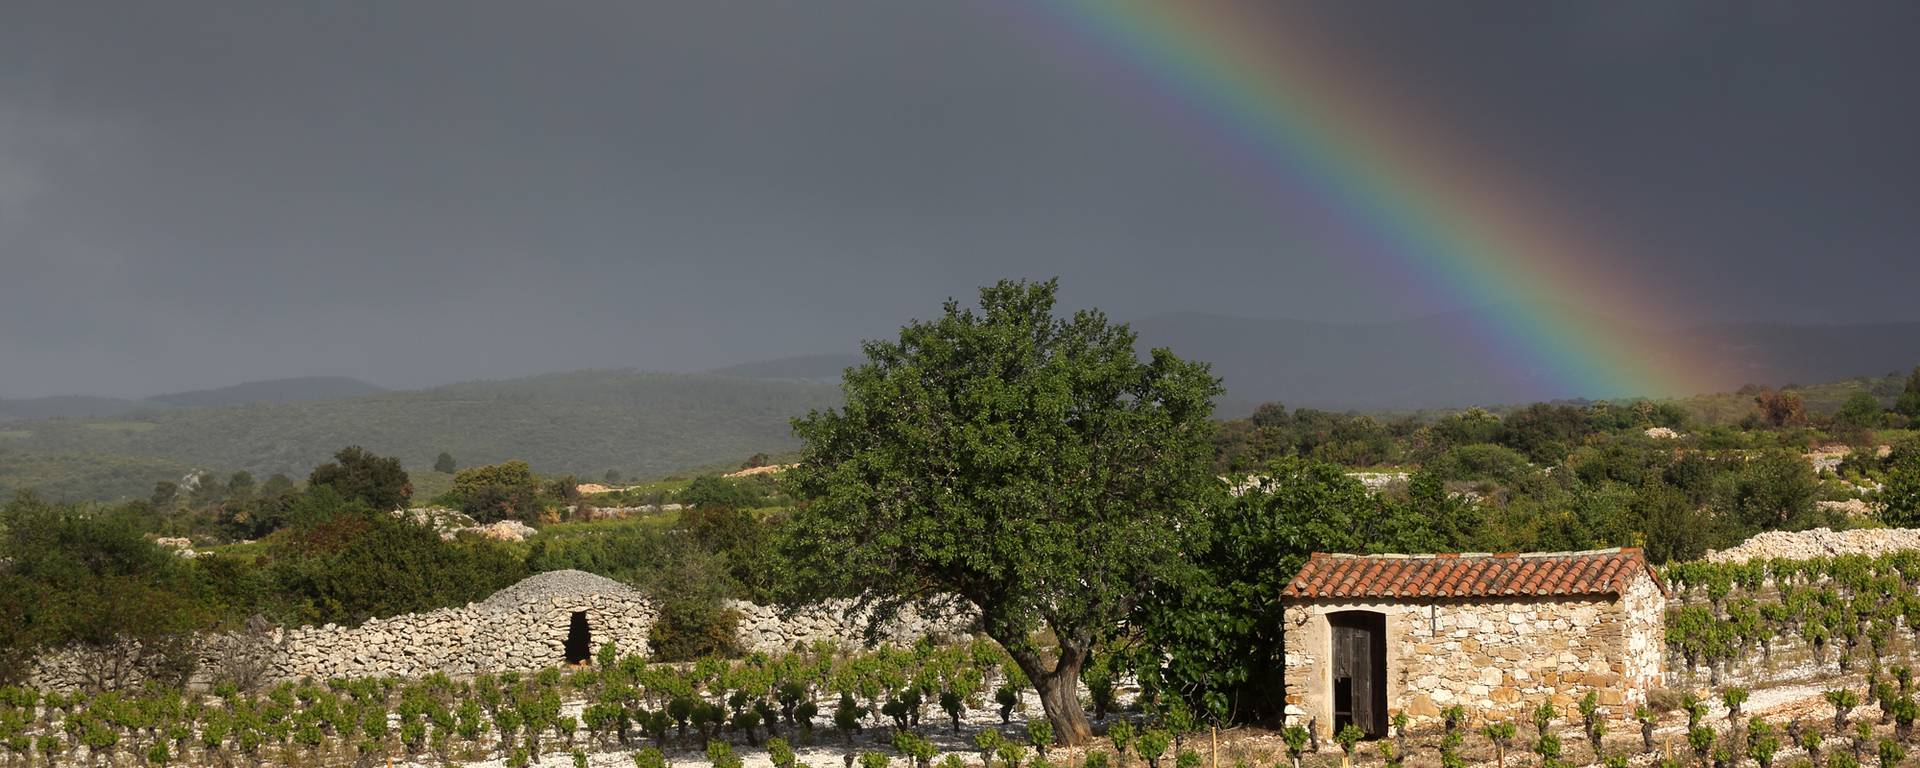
x: 69, y: 407
x: 1437, y: 362
x: 585, y: 422
x: 805, y: 368
x: 295, y: 390
x: 274, y: 391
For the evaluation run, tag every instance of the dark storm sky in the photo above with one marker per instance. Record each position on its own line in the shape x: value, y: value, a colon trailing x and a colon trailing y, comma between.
x: 195, y: 194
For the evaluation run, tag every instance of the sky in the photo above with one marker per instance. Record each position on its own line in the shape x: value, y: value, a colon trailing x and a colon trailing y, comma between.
x: 194, y: 194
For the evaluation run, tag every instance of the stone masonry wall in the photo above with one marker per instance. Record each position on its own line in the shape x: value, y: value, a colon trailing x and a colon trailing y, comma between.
x: 521, y: 628
x: 842, y: 622
x: 1496, y: 658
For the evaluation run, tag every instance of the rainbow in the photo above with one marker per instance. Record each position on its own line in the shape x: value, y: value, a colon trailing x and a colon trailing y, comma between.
x: 1312, y: 128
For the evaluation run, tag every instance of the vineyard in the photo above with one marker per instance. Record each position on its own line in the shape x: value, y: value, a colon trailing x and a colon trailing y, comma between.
x: 959, y: 703
x: 1839, y: 614
x: 891, y: 697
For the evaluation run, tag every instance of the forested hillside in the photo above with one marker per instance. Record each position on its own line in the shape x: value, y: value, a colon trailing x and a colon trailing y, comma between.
x: 585, y: 422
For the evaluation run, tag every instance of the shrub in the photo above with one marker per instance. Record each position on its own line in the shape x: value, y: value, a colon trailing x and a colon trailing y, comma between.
x: 721, y: 755
x: 1039, y: 735
x: 1121, y: 734
x: 504, y: 491
x: 1152, y: 746
x: 780, y: 752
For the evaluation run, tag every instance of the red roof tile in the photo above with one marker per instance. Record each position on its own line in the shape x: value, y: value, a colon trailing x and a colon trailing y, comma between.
x: 1598, y: 572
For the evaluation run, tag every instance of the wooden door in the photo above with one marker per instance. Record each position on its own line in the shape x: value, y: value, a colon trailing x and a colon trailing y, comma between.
x: 1359, y: 676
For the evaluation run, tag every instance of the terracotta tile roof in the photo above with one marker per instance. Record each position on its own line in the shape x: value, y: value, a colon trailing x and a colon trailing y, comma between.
x: 1540, y: 574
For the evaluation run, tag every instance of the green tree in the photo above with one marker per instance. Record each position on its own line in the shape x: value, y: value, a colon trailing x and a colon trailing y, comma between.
x: 1900, y: 499
x: 240, y: 489
x: 1859, y: 412
x: 1545, y: 433
x: 207, y: 492
x: 89, y: 579
x: 354, y: 473
x: 165, y: 495
x: 1033, y: 465
x: 497, y: 492
x: 443, y: 463
x: 1774, y: 492
x: 1214, y: 632
x: 1908, y: 404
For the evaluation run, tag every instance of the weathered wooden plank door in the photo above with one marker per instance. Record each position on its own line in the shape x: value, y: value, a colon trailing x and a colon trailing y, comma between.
x: 1361, y: 651
x: 1358, y: 679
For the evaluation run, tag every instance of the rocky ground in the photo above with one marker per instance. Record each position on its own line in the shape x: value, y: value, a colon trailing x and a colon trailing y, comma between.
x: 1264, y: 748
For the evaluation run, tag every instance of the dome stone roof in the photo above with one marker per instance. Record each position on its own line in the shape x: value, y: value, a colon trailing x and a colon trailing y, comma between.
x: 543, y: 587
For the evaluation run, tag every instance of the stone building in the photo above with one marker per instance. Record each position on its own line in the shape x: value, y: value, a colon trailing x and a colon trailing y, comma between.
x: 1369, y: 636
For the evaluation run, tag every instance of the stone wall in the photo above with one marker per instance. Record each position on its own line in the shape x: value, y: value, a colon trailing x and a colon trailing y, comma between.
x: 1819, y: 542
x: 1496, y: 658
x: 521, y: 628
x: 768, y: 629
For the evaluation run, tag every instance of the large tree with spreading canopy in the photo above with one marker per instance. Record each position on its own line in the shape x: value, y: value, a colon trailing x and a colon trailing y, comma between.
x: 1031, y: 464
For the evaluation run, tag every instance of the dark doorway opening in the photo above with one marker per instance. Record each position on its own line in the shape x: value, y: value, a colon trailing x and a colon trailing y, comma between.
x: 579, y: 640
x: 1360, y: 671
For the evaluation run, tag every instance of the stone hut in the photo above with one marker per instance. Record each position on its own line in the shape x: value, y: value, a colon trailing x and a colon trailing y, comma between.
x: 544, y: 620
x: 1369, y: 636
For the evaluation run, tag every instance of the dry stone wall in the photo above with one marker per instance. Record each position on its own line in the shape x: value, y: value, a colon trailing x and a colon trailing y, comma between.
x: 1819, y: 542
x: 1499, y: 658
x: 844, y: 622
x: 522, y: 628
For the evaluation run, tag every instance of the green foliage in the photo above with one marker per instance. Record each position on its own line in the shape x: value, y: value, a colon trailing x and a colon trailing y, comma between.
x: 1039, y: 735
x: 1908, y: 404
x: 707, y: 491
x: 342, y: 562
x: 357, y: 475
x: 1272, y: 433
x: 780, y: 752
x: 444, y: 464
x: 1121, y: 734
x: 944, y: 470
x: 1860, y: 412
x: 721, y: 755
x: 76, y: 476
x: 1545, y: 433
x: 1900, y: 499
x: 1295, y: 737
x: 91, y: 580
x: 1701, y: 738
x: 1211, y: 634
x: 1152, y: 745
x: 1349, y: 736
x: 1891, y: 753
x: 504, y: 491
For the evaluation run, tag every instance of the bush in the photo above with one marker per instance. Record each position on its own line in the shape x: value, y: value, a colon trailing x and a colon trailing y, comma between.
x: 495, y: 492
x: 345, y: 563
x: 377, y: 481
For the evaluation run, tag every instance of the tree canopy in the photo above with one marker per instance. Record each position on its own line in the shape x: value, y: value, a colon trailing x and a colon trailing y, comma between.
x: 355, y: 473
x: 1033, y: 465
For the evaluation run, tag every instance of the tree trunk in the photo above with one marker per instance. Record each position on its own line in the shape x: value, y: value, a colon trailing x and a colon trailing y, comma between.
x: 1056, y: 678
x: 1060, y: 698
